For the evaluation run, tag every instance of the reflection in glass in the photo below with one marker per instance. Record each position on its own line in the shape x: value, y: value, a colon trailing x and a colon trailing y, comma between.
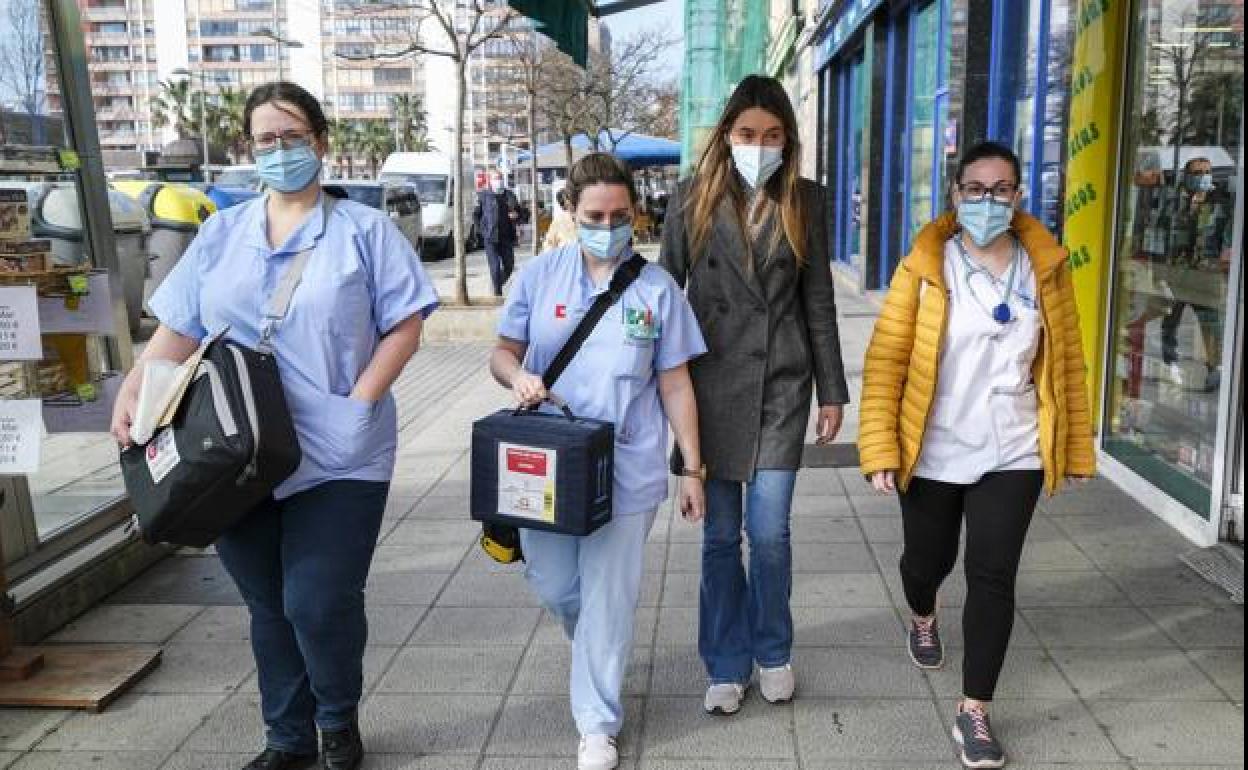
x: 1174, y: 243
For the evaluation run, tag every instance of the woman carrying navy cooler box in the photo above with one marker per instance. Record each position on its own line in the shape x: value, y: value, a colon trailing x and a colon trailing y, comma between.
x: 631, y: 371
x: 300, y: 559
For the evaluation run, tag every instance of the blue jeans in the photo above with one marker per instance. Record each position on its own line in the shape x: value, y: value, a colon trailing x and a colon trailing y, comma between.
x: 301, y: 565
x: 591, y: 586
x: 746, y: 620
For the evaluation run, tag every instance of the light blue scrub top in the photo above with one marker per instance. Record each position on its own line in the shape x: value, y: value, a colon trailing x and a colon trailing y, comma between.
x: 614, y: 376
x: 362, y: 279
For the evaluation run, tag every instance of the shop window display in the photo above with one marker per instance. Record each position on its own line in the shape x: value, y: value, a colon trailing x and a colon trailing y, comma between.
x: 1174, y: 244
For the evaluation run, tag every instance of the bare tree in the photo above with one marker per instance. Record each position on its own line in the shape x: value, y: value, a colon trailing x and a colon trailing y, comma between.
x: 620, y: 86
x: 660, y: 113
x: 22, y: 62
x: 564, y: 106
x: 454, y: 29
x: 533, y: 55
x: 1181, y: 56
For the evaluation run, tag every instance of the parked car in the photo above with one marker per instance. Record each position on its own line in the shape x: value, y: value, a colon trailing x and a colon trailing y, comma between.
x: 400, y: 201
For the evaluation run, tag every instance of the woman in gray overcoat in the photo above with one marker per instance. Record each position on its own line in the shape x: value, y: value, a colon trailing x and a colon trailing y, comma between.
x: 746, y: 237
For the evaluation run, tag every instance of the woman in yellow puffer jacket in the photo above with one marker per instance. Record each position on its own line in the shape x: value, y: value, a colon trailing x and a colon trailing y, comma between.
x: 974, y: 399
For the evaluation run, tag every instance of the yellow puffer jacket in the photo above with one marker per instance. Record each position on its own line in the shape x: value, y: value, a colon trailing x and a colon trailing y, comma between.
x: 899, y: 380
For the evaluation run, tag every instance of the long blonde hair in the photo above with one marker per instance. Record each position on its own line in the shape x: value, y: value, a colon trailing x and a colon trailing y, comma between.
x: 715, y: 176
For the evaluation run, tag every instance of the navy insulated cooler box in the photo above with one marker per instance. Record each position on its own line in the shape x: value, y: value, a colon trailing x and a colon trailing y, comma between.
x: 542, y: 471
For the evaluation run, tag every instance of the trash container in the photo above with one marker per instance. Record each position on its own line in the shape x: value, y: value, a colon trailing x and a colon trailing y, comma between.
x: 57, y: 216
x: 225, y: 197
x: 176, y: 211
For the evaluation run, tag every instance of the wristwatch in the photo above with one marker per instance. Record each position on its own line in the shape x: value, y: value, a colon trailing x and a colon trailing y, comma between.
x: 698, y: 473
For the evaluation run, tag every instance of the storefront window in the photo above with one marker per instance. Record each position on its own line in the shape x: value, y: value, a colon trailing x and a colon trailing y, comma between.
x: 855, y: 113
x: 924, y: 78
x: 1174, y: 250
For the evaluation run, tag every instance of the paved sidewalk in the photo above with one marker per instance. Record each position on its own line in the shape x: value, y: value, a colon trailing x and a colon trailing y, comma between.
x: 1122, y: 658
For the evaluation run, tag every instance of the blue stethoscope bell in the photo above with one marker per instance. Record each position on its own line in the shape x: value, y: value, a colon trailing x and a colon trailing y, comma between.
x: 1001, y: 313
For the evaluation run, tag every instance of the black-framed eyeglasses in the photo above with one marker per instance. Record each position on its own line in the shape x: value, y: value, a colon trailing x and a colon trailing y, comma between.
x: 263, y: 144
x: 1000, y: 191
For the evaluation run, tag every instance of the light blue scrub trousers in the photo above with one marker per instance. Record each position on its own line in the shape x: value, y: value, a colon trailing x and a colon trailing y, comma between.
x: 591, y: 585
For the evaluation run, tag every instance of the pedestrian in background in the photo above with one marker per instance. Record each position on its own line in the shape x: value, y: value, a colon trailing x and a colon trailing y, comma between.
x: 974, y: 399
x: 301, y: 559
x: 562, y: 228
x: 631, y: 371
x: 746, y: 237
x: 497, y: 215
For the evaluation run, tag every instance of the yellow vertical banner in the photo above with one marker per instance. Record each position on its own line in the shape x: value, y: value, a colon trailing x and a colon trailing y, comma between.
x: 1097, y: 79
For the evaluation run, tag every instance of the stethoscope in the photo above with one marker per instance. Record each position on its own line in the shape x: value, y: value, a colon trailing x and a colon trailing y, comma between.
x: 1001, y: 312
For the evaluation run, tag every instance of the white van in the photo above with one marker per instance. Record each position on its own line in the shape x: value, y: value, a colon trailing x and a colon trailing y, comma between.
x: 430, y: 173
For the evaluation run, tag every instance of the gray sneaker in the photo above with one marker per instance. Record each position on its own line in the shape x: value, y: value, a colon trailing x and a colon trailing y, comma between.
x: 724, y: 698
x: 973, y: 733
x: 776, y: 683
x: 924, y: 644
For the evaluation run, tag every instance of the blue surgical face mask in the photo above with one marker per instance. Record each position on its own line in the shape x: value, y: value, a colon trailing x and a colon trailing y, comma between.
x: 605, y: 243
x: 1200, y: 182
x: 984, y: 221
x: 288, y: 169
x: 757, y: 163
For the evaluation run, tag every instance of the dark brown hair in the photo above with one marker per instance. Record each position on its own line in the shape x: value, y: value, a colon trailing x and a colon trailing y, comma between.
x: 598, y: 168
x: 716, y: 179
x: 291, y: 93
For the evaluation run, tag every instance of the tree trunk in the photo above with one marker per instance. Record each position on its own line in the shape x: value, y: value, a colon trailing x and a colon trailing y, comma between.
x: 458, y: 201
x: 532, y: 105
x: 567, y: 153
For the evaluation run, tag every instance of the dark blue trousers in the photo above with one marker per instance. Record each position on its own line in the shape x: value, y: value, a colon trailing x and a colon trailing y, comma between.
x: 301, y: 565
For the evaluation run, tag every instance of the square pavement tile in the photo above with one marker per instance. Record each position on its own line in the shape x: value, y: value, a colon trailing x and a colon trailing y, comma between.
x: 22, y: 728
x: 386, y: 586
x: 550, y: 632
x: 376, y: 661
x: 1156, y: 675
x: 427, y: 724
x: 477, y: 590
x: 416, y: 762
x: 862, y: 672
x: 1028, y: 673
x: 394, y: 556
x: 1202, y: 627
x: 876, y: 505
x: 216, y: 624
x: 817, y: 482
x: 435, y: 532
x: 1047, y: 731
x: 1045, y: 555
x: 679, y: 728
x: 681, y: 589
x: 1081, y: 588
x: 1172, y: 584
x: 678, y: 625
x: 684, y: 557
x: 461, y: 669
x: 432, y: 507
x: 128, y: 623
x: 835, y: 506
x: 542, y: 726
x: 717, y: 764
x: 1183, y: 735
x: 817, y: 529
x: 134, y: 723
x: 95, y: 760
x: 193, y: 669
x: 833, y: 557
x: 678, y: 670
x: 235, y: 725
x: 392, y: 623
x: 545, y: 670
x: 840, y: 729
x: 1225, y: 668
x: 1115, y: 627
x: 883, y: 529
x: 847, y: 627
x: 181, y: 580
x: 543, y: 763
x: 451, y: 625
x: 844, y: 589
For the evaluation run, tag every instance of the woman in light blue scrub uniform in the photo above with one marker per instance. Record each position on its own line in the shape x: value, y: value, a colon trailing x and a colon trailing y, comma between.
x: 632, y: 371
x: 300, y: 559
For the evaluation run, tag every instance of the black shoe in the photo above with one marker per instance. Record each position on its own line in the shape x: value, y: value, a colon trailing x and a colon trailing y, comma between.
x: 973, y: 732
x: 273, y: 759
x: 924, y: 644
x: 342, y: 749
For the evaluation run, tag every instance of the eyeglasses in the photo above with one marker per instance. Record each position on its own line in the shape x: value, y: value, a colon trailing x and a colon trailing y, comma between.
x: 263, y: 144
x: 1001, y: 191
x: 615, y: 221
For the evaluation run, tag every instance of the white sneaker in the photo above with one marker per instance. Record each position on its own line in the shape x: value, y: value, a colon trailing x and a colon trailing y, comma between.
x: 724, y: 698
x: 776, y: 683
x: 597, y: 752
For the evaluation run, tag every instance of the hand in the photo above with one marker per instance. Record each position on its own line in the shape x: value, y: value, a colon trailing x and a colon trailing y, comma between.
x: 884, y: 481
x: 124, y: 406
x: 829, y: 423
x: 528, y: 388
x: 692, y: 499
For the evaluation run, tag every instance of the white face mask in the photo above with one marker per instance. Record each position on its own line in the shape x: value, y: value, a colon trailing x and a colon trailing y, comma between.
x: 756, y: 163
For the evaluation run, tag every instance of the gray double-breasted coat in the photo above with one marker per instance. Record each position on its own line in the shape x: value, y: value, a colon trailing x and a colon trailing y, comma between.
x: 769, y: 331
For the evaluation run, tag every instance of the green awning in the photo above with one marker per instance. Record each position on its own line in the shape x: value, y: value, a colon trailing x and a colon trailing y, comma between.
x: 566, y: 22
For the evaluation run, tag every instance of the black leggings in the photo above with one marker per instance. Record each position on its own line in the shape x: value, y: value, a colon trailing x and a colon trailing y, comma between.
x: 998, y: 510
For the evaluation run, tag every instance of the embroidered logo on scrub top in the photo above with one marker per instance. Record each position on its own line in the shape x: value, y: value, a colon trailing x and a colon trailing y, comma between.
x: 561, y: 312
x: 640, y: 324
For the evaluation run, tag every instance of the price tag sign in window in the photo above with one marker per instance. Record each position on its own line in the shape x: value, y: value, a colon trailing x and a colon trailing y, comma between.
x: 19, y: 324
x: 21, y: 431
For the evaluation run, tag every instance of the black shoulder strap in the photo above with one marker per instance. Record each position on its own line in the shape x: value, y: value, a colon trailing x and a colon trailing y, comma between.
x: 624, y: 276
